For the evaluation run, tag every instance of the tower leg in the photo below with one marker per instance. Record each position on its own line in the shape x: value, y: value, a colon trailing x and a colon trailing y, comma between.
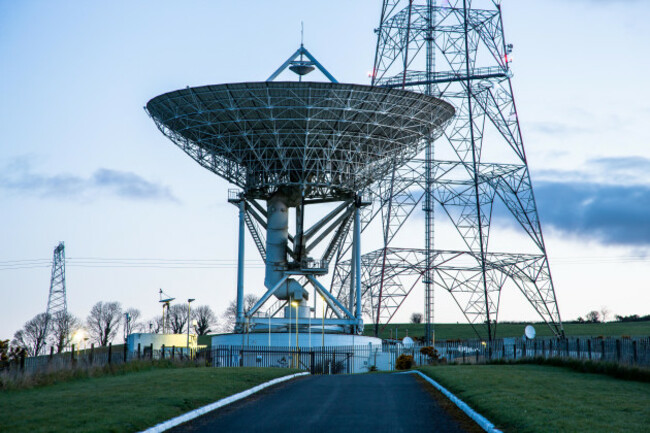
x: 240, y: 267
x: 357, y: 262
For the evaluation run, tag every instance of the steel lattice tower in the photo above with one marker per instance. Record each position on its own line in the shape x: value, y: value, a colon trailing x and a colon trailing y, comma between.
x: 459, y: 54
x: 57, y: 300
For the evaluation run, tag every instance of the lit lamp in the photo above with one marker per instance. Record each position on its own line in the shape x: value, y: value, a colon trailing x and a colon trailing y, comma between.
x: 296, y: 304
x: 189, y: 323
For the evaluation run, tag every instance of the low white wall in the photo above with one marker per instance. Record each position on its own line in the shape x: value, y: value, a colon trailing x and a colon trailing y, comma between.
x: 278, y: 339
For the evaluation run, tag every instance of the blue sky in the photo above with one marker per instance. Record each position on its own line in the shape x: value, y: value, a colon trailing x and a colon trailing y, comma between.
x: 80, y: 161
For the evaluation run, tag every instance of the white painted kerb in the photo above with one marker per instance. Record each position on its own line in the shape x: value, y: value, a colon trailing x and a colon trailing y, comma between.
x: 478, y: 418
x: 216, y: 405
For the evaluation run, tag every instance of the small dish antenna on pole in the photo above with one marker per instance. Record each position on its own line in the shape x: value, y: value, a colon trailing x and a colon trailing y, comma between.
x: 529, y: 332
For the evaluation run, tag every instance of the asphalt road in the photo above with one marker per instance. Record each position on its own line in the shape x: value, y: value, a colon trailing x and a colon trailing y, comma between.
x: 338, y: 403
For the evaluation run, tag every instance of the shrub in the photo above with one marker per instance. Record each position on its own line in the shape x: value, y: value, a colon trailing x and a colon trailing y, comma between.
x: 404, y: 362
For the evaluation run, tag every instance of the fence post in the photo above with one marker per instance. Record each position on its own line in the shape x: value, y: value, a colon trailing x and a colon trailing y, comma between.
x: 634, y: 352
x: 241, y: 358
x: 92, y: 353
x: 151, y: 351
x: 72, y: 356
x: 523, y: 348
x: 49, y: 359
x: 173, y: 352
x: 312, y: 358
x: 110, y: 352
x: 162, y: 351
x: 477, y: 356
x: 589, y: 349
x: 578, y: 348
x: 139, y: 353
x: 618, y: 350
x: 22, y: 360
x: 566, y: 352
x: 503, y: 350
x: 602, y: 350
x: 463, y: 357
x: 334, y: 361
x: 514, y: 351
x: 126, y: 352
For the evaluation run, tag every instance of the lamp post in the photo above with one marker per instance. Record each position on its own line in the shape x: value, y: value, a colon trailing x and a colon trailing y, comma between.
x: 189, y: 324
x: 323, y: 326
x: 296, y: 304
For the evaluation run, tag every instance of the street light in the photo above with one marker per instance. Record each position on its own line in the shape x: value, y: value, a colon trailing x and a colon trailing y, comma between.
x: 189, y: 323
x: 296, y: 304
x: 323, y: 326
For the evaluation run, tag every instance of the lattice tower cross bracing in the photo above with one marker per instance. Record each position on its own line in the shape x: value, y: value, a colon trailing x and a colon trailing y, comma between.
x: 57, y: 302
x: 459, y: 54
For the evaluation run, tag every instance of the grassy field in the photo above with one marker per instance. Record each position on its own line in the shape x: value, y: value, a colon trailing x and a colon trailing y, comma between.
x: 542, y: 399
x: 125, y: 403
x: 462, y: 331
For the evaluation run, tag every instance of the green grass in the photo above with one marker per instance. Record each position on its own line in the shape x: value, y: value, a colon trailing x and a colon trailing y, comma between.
x: 463, y: 331
x: 543, y: 399
x: 124, y: 403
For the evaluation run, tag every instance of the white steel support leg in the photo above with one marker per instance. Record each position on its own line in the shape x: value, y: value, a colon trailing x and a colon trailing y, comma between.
x: 357, y: 261
x: 240, y: 264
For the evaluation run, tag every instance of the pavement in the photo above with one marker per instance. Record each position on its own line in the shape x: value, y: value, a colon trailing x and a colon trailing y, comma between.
x: 338, y: 403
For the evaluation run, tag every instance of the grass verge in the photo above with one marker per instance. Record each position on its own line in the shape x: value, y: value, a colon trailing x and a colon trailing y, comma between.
x: 546, y: 399
x: 612, y: 369
x: 126, y: 402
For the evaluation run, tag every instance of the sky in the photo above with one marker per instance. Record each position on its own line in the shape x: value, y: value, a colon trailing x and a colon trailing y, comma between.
x: 81, y: 162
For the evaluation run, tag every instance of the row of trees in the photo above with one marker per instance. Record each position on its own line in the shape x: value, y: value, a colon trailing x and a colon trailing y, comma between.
x: 104, y: 322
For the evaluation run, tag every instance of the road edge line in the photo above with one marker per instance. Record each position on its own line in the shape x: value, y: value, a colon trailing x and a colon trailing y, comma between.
x: 483, y: 422
x: 166, y: 425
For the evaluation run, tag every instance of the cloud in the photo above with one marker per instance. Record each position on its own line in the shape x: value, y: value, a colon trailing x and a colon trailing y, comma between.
x: 18, y: 177
x: 554, y: 128
x: 130, y: 185
x: 612, y: 214
x: 624, y: 170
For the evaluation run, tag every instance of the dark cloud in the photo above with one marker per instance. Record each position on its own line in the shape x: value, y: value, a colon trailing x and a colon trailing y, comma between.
x: 612, y: 214
x: 623, y: 170
x: 130, y: 185
x: 19, y: 178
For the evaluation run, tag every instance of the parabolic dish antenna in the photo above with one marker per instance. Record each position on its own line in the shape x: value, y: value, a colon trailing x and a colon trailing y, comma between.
x: 407, y: 342
x: 529, y: 332
x: 329, y: 140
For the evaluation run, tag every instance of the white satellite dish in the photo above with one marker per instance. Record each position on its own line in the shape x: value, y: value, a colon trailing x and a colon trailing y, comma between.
x: 407, y: 342
x: 529, y: 332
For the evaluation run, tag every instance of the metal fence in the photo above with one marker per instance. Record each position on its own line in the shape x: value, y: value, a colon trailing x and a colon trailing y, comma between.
x: 353, y: 359
x: 625, y: 351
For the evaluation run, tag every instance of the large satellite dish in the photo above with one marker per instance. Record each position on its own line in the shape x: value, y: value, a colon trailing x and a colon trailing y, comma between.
x: 529, y: 332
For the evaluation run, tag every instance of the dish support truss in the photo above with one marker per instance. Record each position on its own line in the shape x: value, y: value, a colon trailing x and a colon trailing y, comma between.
x: 459, y: 54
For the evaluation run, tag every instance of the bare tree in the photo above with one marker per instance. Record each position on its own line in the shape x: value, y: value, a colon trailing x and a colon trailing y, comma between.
x: 155, y: 325
x: 103, y: 322
x: 230, y: 315
x: 33, y: 336
x: 592, y: 317
x: 62, y: 326
x: 416, y: 318
x: 205, y: 319
x: 604, y: 313
x: 177, y: 317
x: 130, y: 322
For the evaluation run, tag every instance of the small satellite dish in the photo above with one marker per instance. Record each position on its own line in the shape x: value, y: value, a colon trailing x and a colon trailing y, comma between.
x: 529, y: 332
x: 407, y: 342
